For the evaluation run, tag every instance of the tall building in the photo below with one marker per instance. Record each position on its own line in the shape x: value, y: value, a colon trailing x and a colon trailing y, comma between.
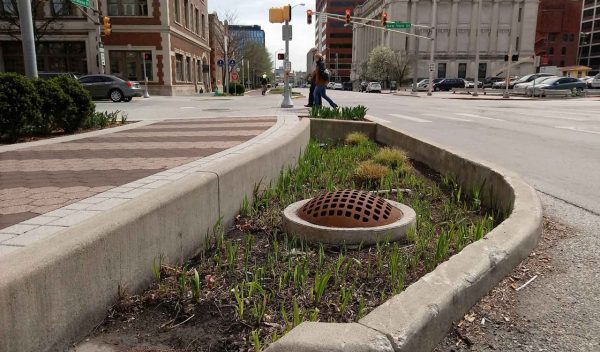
x: 217, y: 35
x: 243, y: 35
x: 589, y: 51
x: 334, y: 39
x: 163, y: 40
x: 557, y: 32
x: 505, y: 25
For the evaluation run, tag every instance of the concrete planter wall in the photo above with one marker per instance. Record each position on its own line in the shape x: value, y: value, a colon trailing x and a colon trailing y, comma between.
x: 335, y: 130
x: 418, y: 318
x: 56, y: 290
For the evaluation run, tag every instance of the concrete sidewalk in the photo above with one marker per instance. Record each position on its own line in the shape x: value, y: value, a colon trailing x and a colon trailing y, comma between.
x: 52, y: 184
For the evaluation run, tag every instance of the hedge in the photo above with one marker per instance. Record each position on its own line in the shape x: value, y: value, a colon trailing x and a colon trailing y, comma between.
x: 19, y: 105
x: 236, y: 88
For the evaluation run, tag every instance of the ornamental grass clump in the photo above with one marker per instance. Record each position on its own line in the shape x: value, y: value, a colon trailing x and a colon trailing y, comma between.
x: 369, y: 172
x: 391, y: 157
x: 356, y: 138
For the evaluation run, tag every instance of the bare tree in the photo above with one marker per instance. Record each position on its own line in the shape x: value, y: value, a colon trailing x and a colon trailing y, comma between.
x: 10, y: 22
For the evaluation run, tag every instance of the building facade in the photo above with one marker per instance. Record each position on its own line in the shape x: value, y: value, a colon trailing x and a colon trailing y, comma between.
x: 165, y: 41
x: 506, y: 25
x: 244, y: 35
x: 334, y: 39
x: 589, y: 51
x: 557, y: 33
x: 217, y: 34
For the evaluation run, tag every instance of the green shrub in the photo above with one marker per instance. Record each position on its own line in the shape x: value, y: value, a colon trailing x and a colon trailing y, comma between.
x: 82, y: 107
x: 54, y: 105
x: 236, y: 88
x: 356, y: 113
x: 19, y: 105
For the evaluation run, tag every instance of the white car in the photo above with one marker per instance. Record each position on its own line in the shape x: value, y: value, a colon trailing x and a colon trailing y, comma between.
x: 374, y: 87
x: 330, y: 85
x: 338, y: 86
x: 469, y: 84
x: 596, y: 81
x: 527, y: 87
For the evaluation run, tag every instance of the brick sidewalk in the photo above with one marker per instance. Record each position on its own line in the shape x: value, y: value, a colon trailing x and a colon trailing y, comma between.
x: 37, y: 180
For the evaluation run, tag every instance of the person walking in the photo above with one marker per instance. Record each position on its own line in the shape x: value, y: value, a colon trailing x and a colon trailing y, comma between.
x: 311, y: 80
x: 321, y: 80
x: 263, y: 82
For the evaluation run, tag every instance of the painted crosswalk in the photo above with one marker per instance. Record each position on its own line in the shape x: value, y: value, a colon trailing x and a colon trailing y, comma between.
x: 478, y: 116
x: 446, y: 117
x: 410, y: 118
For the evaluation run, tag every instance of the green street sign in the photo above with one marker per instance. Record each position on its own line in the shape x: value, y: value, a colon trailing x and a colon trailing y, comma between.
x: 398, y: 25
x: 82, y: 3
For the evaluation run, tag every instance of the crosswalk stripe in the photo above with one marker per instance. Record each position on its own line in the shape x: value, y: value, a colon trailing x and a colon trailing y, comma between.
x: 478, y: 116
x: 448, y: 117
x: 409, y: 118
x: 376, y: 119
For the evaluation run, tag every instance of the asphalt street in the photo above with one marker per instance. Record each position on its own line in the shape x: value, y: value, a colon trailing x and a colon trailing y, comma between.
x: 553, y: 144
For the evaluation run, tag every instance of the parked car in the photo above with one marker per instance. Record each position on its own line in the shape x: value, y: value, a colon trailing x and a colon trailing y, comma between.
x: 49, y: 75
x: 489, y: 81
x: 110, y: 87
x: 330, y: 85
x: 502, y: 84
x: 596, y: 81
x: 338, y: 86
x: 448, y: 84
x: 347, y: 86
x: 522, y: 88
x: 423, y: 84
x: 569, y: 83
x: 530, y: 77
x: 469, y: 84
x: 373, y: 87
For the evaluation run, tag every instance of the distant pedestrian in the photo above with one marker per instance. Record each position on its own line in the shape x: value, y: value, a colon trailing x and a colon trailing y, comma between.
x: 321, y: 79
x: 264, y: 82
x: 311, y: 79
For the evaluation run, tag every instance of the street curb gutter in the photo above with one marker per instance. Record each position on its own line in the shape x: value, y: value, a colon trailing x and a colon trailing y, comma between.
x: 58, y: 289
x: 418, y: 318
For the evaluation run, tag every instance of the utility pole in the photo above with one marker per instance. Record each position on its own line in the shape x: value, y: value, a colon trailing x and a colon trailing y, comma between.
x: 226, y: 64
x: 287, y: 95
x: 432, y: 46
x: 510, y: 52
x: 476, y: 88
x: 27, y: 40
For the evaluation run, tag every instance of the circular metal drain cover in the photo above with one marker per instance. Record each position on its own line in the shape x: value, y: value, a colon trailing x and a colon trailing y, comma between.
x: 349, y: 209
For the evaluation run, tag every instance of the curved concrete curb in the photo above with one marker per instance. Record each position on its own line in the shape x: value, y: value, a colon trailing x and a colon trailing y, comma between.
x: 59, y: 288
x: 418, y: 318
x: 395, y: 231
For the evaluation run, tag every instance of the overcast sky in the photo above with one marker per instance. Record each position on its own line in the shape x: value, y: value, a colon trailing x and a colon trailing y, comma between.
x: 252, y: 12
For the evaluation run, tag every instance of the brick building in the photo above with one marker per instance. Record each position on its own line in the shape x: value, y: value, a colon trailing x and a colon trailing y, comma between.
x: 217, y: 33
x: 172, y: 33
x: 557, y: 32
x: 336, y: 38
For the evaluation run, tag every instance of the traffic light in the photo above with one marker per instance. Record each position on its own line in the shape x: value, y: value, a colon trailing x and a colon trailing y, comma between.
x: 276, y: 15
x: 287, y: 13
x: 106, y: 25
x: 384, y: 18
x: 280, y: 56
x: 348, y: 13
x: 309, y: 14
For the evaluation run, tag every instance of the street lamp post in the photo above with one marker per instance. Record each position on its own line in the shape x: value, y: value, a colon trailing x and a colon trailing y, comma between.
x: 432, y: 48
x: 287, y: 94
x: 476, y: 88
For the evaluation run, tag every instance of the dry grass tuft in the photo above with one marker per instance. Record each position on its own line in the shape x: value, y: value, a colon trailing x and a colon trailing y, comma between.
x: 370, y: 172
x: 391, y: 157
x: 356, y: 138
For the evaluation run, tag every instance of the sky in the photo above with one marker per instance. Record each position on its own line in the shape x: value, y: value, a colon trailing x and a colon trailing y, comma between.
x: 251, y: 12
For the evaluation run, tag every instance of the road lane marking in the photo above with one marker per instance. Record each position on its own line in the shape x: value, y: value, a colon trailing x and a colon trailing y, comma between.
x: 571, y: 128
x: 188, y: 107
x: 410, y: 118
x: 478, y: 116
x: 376, y: 119
x: 448, y: 117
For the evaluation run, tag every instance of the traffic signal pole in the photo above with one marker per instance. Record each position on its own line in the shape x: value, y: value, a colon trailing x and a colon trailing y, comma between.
x: 287, y: 94
x: 29, y: 55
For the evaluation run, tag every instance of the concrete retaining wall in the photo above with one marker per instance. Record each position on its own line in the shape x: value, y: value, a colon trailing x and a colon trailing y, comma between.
x: 58, y: 289
x: 335, y: 130
x: 418, y: 318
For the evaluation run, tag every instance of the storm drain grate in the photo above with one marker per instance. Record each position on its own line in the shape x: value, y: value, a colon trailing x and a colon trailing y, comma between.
x: 349, y: 208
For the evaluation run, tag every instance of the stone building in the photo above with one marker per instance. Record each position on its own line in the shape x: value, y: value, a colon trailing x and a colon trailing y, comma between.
x: 505, y: 24
x: 217, y: 33
x: 164, y: 40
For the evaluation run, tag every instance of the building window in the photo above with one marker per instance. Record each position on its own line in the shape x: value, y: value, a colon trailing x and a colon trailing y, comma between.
x: 441, y: 70
x: 482, y: 73
x: 589, y: 3
x: 551, y: 51
x: 551, y: 37
x: 563, y: 51
x: 8, y: 8
x: 177, y: 11
x: 562, y: 63
x: 196, y: 21
x: 179, y: 67
x: 127, y: 8
x: 550, y: 63
x: 130, y: 65
x: 186, y: 13
x: 203, y: 26
x: 462, y: 70
x: 571, y: 37
x: 588, y: 14
x: 520, y: 14
x: 586, y: 26
x: 199, y: 71
x: 188, y: 69
x: 61, y: 8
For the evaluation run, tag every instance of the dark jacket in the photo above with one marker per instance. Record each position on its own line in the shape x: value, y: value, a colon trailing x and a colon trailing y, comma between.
x: 319, y: 74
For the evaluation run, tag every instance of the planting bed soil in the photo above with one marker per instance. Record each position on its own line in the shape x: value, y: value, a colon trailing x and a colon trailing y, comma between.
x: 255, y: 283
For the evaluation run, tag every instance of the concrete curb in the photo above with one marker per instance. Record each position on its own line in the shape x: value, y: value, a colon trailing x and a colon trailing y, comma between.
x: 336, y: 130
x: 59, y: 288
x: 418, y: 318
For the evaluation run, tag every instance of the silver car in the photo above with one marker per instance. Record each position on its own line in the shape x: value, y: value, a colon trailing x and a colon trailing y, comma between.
x: 110, y: 87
